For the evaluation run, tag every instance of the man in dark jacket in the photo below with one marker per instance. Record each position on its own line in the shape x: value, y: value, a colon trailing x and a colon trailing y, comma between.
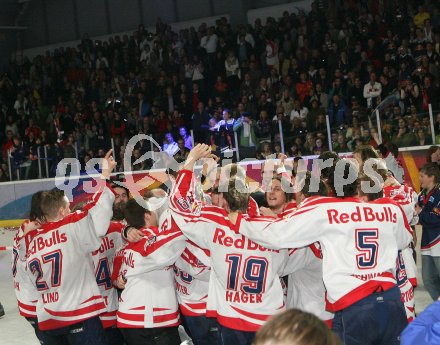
x: 337, y: 112
x: 200, y: 123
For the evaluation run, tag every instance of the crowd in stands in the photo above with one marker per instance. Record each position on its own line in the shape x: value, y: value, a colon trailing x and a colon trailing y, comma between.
x: 253, y: 80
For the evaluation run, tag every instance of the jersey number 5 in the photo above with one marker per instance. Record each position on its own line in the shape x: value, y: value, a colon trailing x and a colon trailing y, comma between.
x: 367, y: 246
x: 254, y: 273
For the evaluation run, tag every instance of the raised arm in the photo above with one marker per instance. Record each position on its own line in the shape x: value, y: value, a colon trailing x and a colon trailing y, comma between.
x: 189, y: 263
x: 182, y: 204
x: 237, y: 124
x: 92, y: 222
x: 299, y: 230
x: 161, y: 249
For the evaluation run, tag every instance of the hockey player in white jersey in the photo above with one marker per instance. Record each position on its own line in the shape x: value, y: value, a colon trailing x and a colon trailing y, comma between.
x: 404, y: 196
x: 148, y: 309
x: 244, y: 287
x: 359, y: 243
x: 25, y: 291
x: 192, y: 273
x: 59, y: 261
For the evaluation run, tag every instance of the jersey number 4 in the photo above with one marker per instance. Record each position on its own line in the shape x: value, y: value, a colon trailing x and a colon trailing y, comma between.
x: 103, y: 275
x: 367, y: 246
x: 55, y: 258
x: 254, y: 273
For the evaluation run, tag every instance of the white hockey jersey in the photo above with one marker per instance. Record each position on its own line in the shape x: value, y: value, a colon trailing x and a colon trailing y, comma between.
x: 406, y: 268
x: 25, y: 291
x: 406, y: 288
x: 305, y: 288
x: 103, y: 262
x: 61, y: 267
x: 359, y: 242
x: 192, y: 281
x: 149, y: 297
x: 406, y: 198
x: 244, y: 286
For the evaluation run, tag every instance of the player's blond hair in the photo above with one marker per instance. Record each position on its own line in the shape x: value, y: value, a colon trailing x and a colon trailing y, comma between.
x: 295, y: 327
x: 236, y: 194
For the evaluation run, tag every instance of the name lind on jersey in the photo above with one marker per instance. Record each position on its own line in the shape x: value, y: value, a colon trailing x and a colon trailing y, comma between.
x: 50, y: 297
x: 362, y: 214
x: 242, y: 242
x: 41, y: 242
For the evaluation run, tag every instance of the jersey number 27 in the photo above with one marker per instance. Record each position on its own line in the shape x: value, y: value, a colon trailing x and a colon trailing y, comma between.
x: 55, y: 258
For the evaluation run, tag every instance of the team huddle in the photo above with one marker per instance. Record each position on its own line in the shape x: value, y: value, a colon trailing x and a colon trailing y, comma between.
x: 208, y: 256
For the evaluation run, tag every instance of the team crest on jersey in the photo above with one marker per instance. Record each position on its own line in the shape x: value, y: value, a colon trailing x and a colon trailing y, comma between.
x: 431, y: 199
x: 150, y: 241
x: 183, y: 203
x: 196, y: 209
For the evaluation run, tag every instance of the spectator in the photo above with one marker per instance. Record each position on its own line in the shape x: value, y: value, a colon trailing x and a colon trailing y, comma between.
x: 225, y: 129
x: 247, y: 138
x: 21, y: 163
x: 299, y: 111
x: 422, y: 138
x: 138, y: 78
x: 69, y: 147
x: 409, y: 93
x: 321, y: 96
x: 140, y: 165
x: 170, y: 146
x: 319, y: 147
x: 429, y: 94
x: 263, y: 128
x: 161, y: 122
x: 372, y: 92
x: 11, y: 125
x: 310, y: 143
x: 209, y: 42
x: 244, y: 50
x: 404, y: 138
x: 220, y: 87
x: 200, y: 120
x: 232, y: 70
x: 421, y: 16
x: 433, y: 155
x: 429, y: 219
x: 32, y: 128
x: 337, y: 112
x: 8, y: 145
x: 272, y: 60
x: 303, y: 87
x: 182, y: 151
x: 286, y: 101
x: 118, y: 126
x: 187, y: 139
x: 341, y: 144
x: 265, y: 151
